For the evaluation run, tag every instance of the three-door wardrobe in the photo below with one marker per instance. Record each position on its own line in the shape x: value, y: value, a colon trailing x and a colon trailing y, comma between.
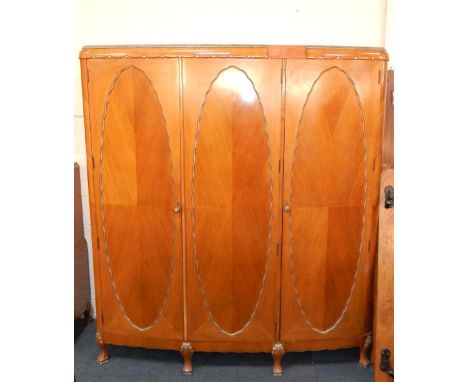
x: 234, y: 196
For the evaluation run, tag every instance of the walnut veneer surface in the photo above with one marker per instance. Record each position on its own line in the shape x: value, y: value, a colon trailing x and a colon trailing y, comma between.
x: 233, y: 195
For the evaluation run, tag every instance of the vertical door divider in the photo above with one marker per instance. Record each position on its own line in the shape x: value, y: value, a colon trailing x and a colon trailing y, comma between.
x: 182, y: 192
x: 281, y: 191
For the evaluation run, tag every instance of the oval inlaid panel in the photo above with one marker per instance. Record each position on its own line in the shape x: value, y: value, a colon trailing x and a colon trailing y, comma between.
x: 137, y: 197
x: 232, y: 199
x: 328, y: 198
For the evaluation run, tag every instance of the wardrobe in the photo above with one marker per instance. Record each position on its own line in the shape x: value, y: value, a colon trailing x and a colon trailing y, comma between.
x: 234, y: 196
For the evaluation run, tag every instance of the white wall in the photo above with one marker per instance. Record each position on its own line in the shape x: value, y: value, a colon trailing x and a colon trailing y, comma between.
x: 295, y: 22
x: 389, y: 37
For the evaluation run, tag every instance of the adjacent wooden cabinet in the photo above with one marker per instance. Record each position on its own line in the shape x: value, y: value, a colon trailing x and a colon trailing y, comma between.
x: 82, y: 291
x: 233, y: 194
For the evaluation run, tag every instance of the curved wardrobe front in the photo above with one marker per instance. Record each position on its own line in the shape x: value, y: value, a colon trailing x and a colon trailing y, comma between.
x: 233, y: 195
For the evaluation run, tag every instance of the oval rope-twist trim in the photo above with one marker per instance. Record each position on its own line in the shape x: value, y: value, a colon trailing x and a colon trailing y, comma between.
x: 291, y: 260
x: 199, y: 281
x: 103, y: 227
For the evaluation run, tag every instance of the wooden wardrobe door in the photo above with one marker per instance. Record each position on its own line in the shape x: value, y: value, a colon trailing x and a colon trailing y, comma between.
x: 332, y: 164
x: 232, y: 130
x: 135, y: 147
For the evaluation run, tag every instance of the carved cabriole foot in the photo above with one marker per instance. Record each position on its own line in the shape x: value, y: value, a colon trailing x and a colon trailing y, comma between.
x: 363, y: 358
x: 278, y: 353
x: 187, y: 351
x: 103, y: 355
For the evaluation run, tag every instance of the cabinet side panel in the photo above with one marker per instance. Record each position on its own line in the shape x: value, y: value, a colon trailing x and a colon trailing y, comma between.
x: 91, y: 189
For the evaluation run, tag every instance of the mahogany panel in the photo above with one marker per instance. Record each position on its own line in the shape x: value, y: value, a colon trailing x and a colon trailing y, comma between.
x: 232, y: 136
x: 135, y: 148
x: 333, y: 125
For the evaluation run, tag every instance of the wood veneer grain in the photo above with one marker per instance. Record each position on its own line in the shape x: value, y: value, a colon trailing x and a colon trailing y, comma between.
x: 233, y: 195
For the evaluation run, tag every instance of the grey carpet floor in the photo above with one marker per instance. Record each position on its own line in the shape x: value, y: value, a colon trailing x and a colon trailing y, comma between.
x: 143, y: 365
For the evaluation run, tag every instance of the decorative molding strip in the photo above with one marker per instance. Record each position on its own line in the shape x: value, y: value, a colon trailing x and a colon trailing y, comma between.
x: 346, y: 53
x: 174, y: 51
x: 291, y: 260
x: 234, y: 51
x: 199, y: 281
x: 101, y: 201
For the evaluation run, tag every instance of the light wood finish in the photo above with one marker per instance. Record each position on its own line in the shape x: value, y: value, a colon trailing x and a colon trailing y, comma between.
x: 134, y: 144
x: 327, y: 198
x: 91, y: 192
x: 137, y: 196
x: 192, y: 153
x: 323, y: 344
x: 388, y: 139
x: 346, y: 53
x: 234, y: 51
x: 231, y: 346
x: 332, y: 165
x: 173, y: 51
x: 286, y: 51
x: 232, y: 137
x: 384, y: 292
